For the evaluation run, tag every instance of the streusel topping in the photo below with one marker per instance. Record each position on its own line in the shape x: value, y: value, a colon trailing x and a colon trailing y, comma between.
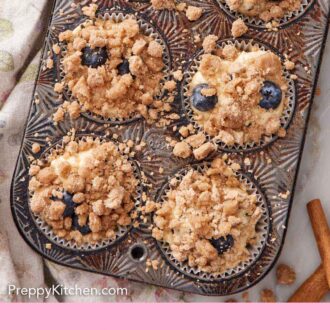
x: 239, y: 96
x: 112, y: 69
x: 84, y: 191
x: 264, y: 9
x: 209, y: 219
x: 163, y: 4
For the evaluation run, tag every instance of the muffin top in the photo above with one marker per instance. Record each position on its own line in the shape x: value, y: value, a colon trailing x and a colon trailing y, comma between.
x: 266, y: 10
x: 112, y: 69
x: 208, y: 219
x: 84, y: 191
x: 239, y: 96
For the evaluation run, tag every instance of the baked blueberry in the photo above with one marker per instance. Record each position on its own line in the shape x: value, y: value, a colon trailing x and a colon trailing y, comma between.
x: 223, y: 244
x: 123, y: 68
x: 94, y: 58
x: 271, y: 95
x: 202, y: 102
x: 69, y: 205
x: 84, y: 230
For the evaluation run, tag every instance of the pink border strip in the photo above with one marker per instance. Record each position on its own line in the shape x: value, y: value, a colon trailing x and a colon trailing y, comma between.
x: 165, y: 316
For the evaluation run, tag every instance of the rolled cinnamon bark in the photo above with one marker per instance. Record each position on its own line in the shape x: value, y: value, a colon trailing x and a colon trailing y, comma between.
x: 313, y: 289
x: 321, y: 232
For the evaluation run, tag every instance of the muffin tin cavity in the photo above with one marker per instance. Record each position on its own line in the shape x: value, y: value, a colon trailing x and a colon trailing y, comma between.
x: 243, y: 45
x: 119, y: 231
x: 256, y: 22
x: 262, y: 229
x: 268, y: 168
x: 146, y: 29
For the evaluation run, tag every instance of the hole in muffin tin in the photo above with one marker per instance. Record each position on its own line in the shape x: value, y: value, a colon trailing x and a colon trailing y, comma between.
x: 259, y: 23
x: 138, y: 252
x: 262, y: 229
x: 147, y: 29
x: 243, y: 44
x: 120, y: 232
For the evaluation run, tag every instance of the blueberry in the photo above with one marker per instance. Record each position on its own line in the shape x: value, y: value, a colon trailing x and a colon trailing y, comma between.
x: 69, y: 211
x: 69, y: 205
x: 84, y: 230
x: 201, y: 102
x: 223, y: 244
x: 123, y: 68
x: 271, y: 95
x: 94, y: 57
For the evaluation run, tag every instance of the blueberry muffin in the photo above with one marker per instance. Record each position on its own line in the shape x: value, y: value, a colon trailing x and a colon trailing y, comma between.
x: 239, y: 96
x: 111, y: 69
x: 208, y: 219
x: 266, y: 10
x: 84, y: 191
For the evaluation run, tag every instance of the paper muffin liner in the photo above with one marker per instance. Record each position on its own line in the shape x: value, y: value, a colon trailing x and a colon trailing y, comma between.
x: 120, y: 232
x: 147, y: 29
x: 262, y: 229
x: 288, y: 18
x: 244, y: 45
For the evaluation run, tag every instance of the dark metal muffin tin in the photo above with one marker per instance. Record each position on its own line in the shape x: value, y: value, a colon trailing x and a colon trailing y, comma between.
x: 273, y: 168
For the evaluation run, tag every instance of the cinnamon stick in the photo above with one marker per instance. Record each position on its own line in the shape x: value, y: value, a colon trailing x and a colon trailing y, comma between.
x: 313, y: 289
x: 321, y: 232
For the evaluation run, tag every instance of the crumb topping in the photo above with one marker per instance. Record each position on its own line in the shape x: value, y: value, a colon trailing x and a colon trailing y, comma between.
x: 204, y: 208
x: 264, y: 9
x: 210, y: 43
x: 239, y: 28
x: 194, y: 13
x: 84, y: 191
x: 267, y: 296
x: 285, y: 275
x: 163, y: 4
x: 238, y: 77
x: 113, y: 70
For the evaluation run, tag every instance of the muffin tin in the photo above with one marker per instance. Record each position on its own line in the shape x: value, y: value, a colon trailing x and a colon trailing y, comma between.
x: 274, y: 164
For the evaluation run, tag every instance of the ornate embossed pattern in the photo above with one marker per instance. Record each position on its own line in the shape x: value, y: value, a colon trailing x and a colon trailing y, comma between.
x: 273, y: 168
